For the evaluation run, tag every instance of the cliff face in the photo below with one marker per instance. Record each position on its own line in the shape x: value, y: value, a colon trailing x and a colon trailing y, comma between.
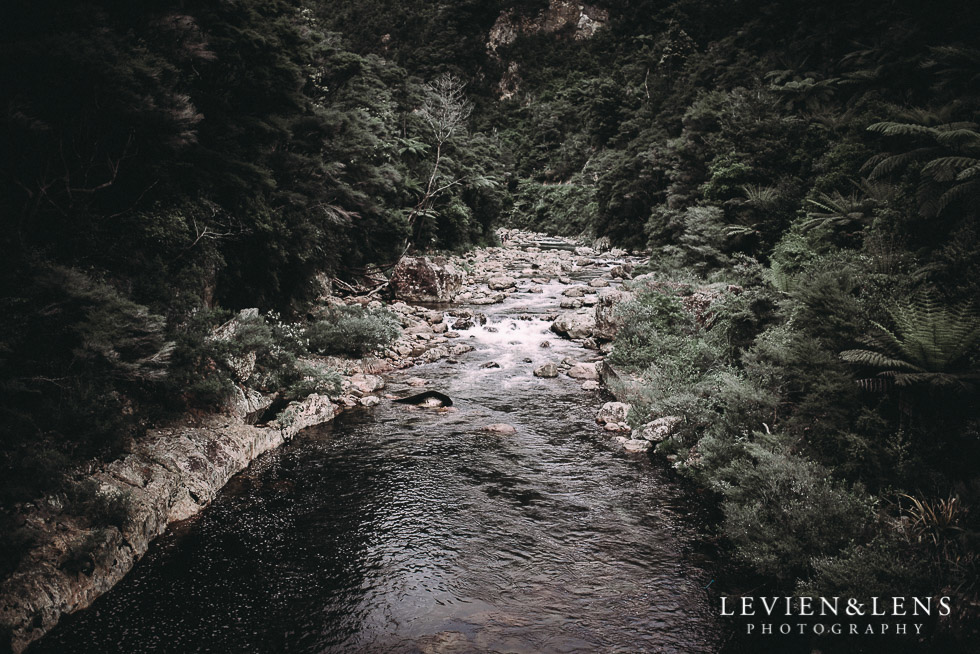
x: 169, y: 476
x: 580, y: 21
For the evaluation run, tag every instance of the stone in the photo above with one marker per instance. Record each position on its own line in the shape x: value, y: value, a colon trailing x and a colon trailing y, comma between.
x: 584, y: 251
x: 248, y: 404
x: 612, y: 412
x: 547, y: 371
x: 416, y: 381
x: 462, y: 348
x: 636, y: 446
x: 599, y: 283
x: 590, y: 385
x: 625, y: 271
x: 490, y: 364
x: 440, y: 328
x: 544, y: 344
x: 370, y: 400
x: 574, y: 291
x: 574, y: 324
x: 582, y: 262
x: 660, y: 429
x: 570, y: 304
x: 583, y: 371
x: 607, y: 323
x: 424, y: 279
x: 500, y: 428
x: 463, y: 323
x: 501, y: 283
x: 367, y: 383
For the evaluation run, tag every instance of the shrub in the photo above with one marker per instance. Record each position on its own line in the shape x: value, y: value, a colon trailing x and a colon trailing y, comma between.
x: 313, y: 380
x: 781, y: 511
x: 885, y: 567
x: 353, y: 330
x: 650, y: 327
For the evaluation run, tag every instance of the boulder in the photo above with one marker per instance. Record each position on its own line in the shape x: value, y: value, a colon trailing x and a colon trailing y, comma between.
x: 624, y: 271
x: 574, y: 291
x: 599, y: 283
x: 607, y: 323
x: 612, y: 412
x: 501, y: 283
x: 583, y: 371
x: 421, y: 279
x: 660, y: 429
x: 548, y: 371
x: 574, y: 325
x: 636, y: 446
x: 248, y: 404
x: 367, y: 383
x: 590, y: 385
x: 370, y: 400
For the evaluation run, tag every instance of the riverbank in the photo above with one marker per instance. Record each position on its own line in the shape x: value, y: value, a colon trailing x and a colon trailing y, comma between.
x: 509, y: 521
x: 174, y: 472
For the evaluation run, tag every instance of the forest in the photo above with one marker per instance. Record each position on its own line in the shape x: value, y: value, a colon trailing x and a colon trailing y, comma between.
x: 168, y: 163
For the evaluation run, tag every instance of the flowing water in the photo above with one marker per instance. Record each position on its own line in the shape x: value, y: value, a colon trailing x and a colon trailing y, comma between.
x: 404, y: 529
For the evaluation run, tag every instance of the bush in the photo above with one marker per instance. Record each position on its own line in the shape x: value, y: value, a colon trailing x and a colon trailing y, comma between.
x: 650, y: 327
x: 886, y: 567
x: 353, y: 330
x: 781, y: 511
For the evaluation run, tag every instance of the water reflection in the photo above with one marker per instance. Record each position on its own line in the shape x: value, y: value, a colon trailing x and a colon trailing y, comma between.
x: 411, y: 530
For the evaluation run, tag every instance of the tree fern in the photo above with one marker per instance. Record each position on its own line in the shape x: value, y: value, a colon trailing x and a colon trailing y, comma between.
x: 949, y: 154
x: 930, y: 344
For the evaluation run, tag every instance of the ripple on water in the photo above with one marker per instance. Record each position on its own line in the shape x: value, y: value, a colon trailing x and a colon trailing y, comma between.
x: 413, y: 531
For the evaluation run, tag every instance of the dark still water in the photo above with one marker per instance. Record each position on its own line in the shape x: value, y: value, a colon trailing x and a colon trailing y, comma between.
x: 400, y: 529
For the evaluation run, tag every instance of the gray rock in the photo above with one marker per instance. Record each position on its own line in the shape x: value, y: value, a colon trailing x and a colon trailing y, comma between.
x: 501, y: 282
x: 548, y: 370
x: 574, y: 325
x: 636, y: 446
x: 583, y: 371
x: 367, y: 383
x: 607, y: 323
x: 370, y: 400
x: 574, y: 291
x: 599, y: 283
x: 660, y: 429
x: 421, y: 279
x: 590, y: 385
x: 612, y: 412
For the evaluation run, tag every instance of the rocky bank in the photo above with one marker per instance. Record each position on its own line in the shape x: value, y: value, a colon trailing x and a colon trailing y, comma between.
x: 176, y: 471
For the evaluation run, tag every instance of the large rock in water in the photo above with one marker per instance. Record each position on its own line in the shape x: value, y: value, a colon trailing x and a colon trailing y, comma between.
x: 613, y: 412
x: 574, y: 325
x: 421, y: 279
x: 607, y: 323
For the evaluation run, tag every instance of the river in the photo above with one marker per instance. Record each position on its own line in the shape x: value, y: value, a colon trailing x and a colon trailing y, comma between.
x: 404, y: 529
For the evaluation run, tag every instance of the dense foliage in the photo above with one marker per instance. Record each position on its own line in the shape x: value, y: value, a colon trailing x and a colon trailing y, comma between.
x: 810, y: 168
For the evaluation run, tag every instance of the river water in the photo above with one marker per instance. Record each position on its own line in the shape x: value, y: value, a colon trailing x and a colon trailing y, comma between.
x: 404, y: 529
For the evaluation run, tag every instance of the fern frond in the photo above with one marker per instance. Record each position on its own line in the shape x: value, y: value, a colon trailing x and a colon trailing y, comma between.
x: 890, y: 128
x: 945, y: 169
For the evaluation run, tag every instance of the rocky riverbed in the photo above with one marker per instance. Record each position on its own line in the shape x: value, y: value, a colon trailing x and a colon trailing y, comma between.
x: 176, y: 471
